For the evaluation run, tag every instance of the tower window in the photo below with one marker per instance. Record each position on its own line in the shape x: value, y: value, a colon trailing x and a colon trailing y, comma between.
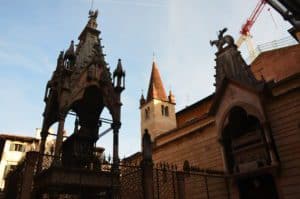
x: 164, y: 110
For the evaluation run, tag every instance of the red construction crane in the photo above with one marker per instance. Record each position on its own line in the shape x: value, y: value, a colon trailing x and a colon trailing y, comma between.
x: 245, y: 30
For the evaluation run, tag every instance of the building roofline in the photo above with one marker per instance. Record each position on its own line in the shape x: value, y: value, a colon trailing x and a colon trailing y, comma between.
x: 273, y: 84
x: 268, y: 52
x: 197, y: 130
x: 207, y: 98
x: 195, y: 120
x: 132, y: 156
x: 18, y: 138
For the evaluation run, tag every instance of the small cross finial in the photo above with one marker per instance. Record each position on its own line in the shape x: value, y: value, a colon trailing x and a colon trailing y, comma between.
x: 153, y: 57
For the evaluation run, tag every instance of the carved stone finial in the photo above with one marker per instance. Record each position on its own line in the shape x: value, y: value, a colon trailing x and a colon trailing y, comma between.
x: 142, y: 99
x: 70, y: 56
x: 119, y: 76
x: 119, y: 70
x: 222, y: 40
x: 70, y: 53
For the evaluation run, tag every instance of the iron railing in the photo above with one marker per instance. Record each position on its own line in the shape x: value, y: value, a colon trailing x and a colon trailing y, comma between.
x: 272, y: 45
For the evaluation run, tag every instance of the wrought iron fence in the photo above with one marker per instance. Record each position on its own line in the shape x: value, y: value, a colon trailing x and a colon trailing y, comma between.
x: 131, y: 182
x: 205, y: 183
x: 197, y: 183
x: 168, y: 182
x: 272, y: 45
x: 165, y: 181
x: 280, y: 43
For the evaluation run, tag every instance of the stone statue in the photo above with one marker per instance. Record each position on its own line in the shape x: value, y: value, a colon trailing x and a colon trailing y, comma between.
x: 222, y: 40
x: 93, y: 14
x: 93, y: 17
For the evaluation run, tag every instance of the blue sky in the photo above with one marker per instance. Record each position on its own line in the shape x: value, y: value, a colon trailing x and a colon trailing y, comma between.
x: 178, y: 31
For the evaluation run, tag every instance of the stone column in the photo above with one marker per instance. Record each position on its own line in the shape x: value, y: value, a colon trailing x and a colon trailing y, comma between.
x: 42, y: 150
x: 115, y: 167
x: 147, y: 179
x: 59, y: 138
x: 116, y: 126
x: 180, y: 184
x: 147, y: 167
x: 270, y: 145
x: 27, y: 181
x: 224, y: 158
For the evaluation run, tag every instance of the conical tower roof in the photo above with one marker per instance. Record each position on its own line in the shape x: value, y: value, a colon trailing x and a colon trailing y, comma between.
x: 156, y: 88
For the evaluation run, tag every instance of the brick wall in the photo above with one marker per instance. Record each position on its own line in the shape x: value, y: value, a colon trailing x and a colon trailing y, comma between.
x: 284, y: 117
x: 277, y: 64
x: 200, y: 148
x: 194, y: 111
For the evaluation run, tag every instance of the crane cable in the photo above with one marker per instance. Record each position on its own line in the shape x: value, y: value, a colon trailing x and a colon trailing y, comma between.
x: 273, y: 19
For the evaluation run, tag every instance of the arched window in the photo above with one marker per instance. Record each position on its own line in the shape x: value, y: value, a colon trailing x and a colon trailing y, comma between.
x: 244, y: 141
x: 164, y: 110
x: 167, y: 111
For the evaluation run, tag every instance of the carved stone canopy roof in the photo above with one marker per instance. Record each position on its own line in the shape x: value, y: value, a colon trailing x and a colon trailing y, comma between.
x: 230, y: 64
x: 82, y: 71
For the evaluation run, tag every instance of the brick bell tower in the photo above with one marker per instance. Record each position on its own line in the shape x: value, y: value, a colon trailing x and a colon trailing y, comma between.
x: 158, y: 109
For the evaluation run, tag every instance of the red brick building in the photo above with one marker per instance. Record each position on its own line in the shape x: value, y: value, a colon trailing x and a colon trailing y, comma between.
x: 249, y: 128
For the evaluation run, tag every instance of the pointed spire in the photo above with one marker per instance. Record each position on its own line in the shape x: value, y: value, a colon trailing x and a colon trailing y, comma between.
x: 156, y: 88
x: 70, y: 53
x: 60, y: 58
x: 91, y: 25
x: 171, y: 97
x: 119, y: 70
x: 142, y: 99
x: 89, y: 49
x: 119, y: 77
x: 60, y: 62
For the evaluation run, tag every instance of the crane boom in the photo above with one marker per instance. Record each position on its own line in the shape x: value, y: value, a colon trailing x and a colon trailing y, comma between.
x: 254, y: 15
x: 246, y: 27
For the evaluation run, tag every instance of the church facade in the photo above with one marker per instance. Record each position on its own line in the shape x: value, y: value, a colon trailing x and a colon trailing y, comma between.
x: 249, y: 127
